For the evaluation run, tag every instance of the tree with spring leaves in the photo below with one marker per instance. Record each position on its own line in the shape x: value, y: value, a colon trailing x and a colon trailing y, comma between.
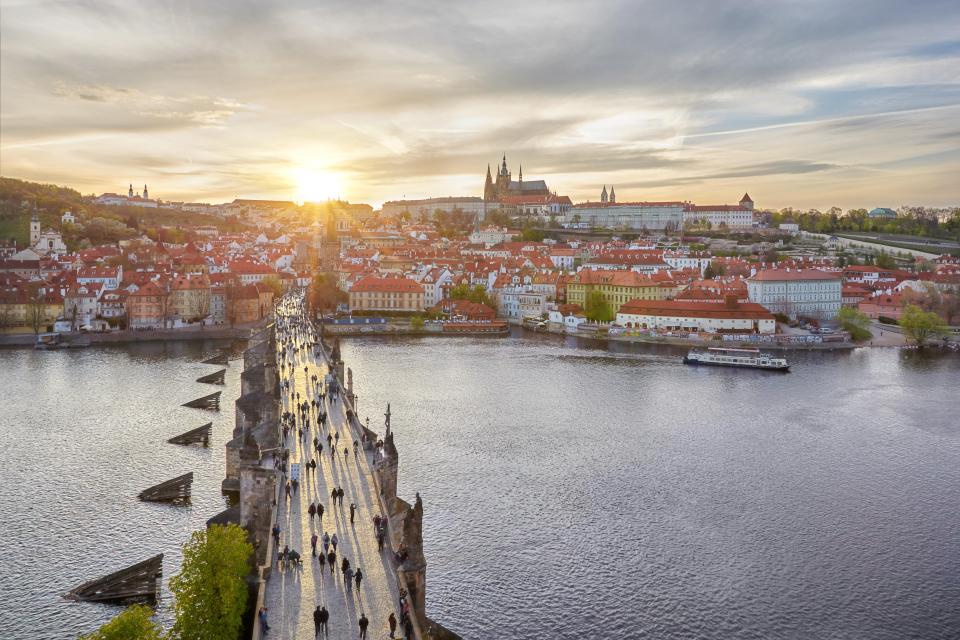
x: 211, y: 590
x: 476, y: 293
x: 919, y: 326
x: 134, y: 623
x: 596, y: 307
x: 856, y: 323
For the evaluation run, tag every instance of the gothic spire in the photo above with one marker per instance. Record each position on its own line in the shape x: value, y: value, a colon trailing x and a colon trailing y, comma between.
x: 603, y: 194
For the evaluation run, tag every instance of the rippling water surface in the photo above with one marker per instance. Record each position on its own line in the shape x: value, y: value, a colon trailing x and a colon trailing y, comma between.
x: 577, y: 492
x: 83, y: 432
x: 570, y: 491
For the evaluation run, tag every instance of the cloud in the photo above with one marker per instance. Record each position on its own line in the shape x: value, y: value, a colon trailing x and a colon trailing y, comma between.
x: 777, y: 167
x: 411, y: 95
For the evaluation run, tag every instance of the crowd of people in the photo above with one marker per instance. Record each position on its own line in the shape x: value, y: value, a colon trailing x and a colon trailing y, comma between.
x: 310, y: 415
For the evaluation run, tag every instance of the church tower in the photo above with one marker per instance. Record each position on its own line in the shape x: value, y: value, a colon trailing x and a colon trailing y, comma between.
x: 503, y: 179
x: 34, y: 229
x: 603, y: 194
x: 130, y: 192
x: 489, y: 193
x: 520, y: 176
x: 145, y: 196
x: 613, y: 195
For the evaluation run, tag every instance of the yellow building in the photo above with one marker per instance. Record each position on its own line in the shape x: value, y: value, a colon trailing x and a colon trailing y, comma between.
x: 619, y: 287
x: 190, y: 297
x: 386, y: 294
x: 18, y: 304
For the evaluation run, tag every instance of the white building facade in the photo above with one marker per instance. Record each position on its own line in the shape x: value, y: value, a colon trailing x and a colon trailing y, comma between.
x: 517, y: 303
x: 654, y: 216
x: 797, y: 293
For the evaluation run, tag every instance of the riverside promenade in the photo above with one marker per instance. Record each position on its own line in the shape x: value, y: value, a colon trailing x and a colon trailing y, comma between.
x: 292, y: 595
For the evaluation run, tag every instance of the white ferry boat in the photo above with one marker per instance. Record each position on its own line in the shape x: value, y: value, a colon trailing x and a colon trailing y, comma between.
x: 747, y: 358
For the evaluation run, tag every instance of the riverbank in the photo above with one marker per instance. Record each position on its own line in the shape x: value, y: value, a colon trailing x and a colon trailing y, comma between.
x: 125, y: 337
x: 493, y: 329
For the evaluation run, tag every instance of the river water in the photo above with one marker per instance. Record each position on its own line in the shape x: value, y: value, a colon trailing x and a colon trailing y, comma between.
x: 571, y: 490
x: 82, y: 433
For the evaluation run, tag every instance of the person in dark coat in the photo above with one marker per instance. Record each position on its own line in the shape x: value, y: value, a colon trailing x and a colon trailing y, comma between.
x: 392, y: 621
x: 363, y: 623
x: 320, y: 618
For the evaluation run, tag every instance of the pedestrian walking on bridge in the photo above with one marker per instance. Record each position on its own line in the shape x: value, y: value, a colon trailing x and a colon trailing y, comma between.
x: 353, y: 509
x: 264, y: 627
x: 363, y: 623
x: 392, y: 621
x: 320, y: 618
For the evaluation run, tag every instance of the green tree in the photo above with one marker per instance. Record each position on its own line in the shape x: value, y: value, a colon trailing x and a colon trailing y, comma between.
x: 885, y: 261
x: 211, y: 590
x: 498, y: 218
x: 596, y: 307
x: 856, y: 323
x: 713, y: 270
x: 416, y: 323
x: 530, y: 234
x: 134, y: 623
x: 919, y: 326
x: 473, y: 294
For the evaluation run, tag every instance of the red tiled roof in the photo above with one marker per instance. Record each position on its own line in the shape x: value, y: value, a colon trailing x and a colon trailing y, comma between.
x: 615, y: 278
x: 692, y: 309
x: 374, y: 284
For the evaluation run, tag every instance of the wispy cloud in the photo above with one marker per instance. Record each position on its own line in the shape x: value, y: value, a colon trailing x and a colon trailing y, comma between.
x: 696, y: 100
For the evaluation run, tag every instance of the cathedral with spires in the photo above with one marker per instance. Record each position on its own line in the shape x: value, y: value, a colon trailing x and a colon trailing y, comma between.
x: 505, y: 186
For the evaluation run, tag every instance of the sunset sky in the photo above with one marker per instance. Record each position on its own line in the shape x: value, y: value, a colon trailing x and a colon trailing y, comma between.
x: 806, y: 103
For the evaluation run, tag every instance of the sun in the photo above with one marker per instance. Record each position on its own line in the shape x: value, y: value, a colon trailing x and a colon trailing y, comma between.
x: 316, y: 186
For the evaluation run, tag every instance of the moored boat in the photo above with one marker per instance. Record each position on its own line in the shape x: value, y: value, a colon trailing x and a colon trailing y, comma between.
x: 743, y: 358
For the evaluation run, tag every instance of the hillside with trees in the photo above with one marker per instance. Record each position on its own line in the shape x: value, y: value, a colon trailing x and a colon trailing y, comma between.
x: 96, y: 224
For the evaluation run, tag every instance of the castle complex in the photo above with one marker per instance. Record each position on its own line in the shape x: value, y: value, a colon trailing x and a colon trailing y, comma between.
x: 505, y: 186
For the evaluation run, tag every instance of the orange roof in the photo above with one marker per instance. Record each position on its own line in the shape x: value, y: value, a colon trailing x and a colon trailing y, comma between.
x: 614, y: 278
